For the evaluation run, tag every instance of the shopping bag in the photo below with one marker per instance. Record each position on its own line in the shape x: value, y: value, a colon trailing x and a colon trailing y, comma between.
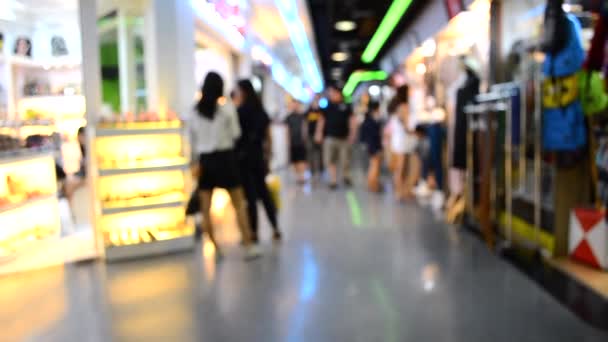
x: 274, y: 186
x: 588, y: 240
x: 592, y: 91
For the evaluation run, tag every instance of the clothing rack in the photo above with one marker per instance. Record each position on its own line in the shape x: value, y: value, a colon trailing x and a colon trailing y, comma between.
x: 482, y: 117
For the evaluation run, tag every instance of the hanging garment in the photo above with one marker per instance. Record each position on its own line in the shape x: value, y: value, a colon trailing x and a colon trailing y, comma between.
x: 563, y: 120
x: 466, y: 95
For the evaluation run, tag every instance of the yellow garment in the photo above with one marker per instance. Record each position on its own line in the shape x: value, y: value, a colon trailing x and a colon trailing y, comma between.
x: 560, y: 92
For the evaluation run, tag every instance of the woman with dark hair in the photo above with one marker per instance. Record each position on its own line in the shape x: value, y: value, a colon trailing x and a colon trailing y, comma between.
x: 214, y: 129
x: 253, y: 146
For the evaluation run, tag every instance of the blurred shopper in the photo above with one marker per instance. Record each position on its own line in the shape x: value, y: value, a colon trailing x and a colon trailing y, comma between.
x: 296, y: 130
x: 371, y: 137
x: 313, y: 148
x: 338, y: 127
x: 403, y: 145
x: 78, y: 180
x: 213, y: 131
x: 252, y: 150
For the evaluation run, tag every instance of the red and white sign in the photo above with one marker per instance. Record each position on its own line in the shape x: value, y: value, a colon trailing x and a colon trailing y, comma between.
x: 589, y: 237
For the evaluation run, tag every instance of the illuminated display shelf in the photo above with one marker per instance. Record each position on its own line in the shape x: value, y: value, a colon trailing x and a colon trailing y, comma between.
x: 113, y: 132
x: 26, y: 203
x: 142, y: 207
x: 27, y: 224
x: 142, y: 187
x: 180, y: 165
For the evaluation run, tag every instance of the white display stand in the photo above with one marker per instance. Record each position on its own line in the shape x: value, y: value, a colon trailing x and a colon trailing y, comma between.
x: 142, y: 187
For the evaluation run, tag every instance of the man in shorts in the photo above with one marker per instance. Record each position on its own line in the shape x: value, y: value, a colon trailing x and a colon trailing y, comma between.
x: 338, y: 126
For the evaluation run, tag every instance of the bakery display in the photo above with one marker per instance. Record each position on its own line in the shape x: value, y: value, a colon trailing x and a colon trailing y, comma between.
x: 141, y: 187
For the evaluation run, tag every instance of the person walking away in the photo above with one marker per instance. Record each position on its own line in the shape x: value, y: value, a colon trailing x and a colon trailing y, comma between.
x: 251, y: 147
x: 313, y: 148
x: 338, y: 125
x: 296, y: 130
x: 371, y: 137
x: 213, y: 130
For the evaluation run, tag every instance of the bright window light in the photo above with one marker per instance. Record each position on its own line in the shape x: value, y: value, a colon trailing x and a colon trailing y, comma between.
x: 358, y: 77
x: 388, y: 24
x: 299, y: 39
x: 345, y: 25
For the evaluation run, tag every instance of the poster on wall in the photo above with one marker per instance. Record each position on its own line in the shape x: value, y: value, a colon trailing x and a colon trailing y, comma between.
x: 23, y: 47
x: 454, y: 7
x: 58, y: 46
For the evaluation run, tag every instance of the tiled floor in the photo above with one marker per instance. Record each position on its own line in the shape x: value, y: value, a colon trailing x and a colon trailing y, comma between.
x: 354, y: 267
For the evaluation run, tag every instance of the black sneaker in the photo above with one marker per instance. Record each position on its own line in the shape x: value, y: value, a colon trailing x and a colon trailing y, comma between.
x: 333, y: 186
x: 348, y: 183
x: 277, y: 236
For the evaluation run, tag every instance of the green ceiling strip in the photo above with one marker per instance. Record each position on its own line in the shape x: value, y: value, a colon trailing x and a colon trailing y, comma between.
x: 388, y: 24
x: 358, y: 77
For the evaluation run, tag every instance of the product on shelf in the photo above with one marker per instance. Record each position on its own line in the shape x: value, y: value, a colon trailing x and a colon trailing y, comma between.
x: 18, y: 191
x: 140, y: 121
x: 121, y: 200
x: 140, y: 235
x: 139, y: 151
x: 9, y: 143
x: 23, y: 238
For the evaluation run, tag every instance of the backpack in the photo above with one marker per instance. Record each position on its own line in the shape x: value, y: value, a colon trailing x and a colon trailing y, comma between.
x: 564, y: 126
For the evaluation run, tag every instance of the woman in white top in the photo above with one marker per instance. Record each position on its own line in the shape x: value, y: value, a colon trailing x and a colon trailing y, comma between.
x: 214, y: 129
x: 402, y: 145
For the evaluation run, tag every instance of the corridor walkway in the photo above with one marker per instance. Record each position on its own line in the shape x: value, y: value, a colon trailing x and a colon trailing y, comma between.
x: 353, y: 267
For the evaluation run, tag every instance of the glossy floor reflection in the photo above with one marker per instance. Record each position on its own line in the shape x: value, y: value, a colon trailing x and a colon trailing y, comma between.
x: 353, y: 267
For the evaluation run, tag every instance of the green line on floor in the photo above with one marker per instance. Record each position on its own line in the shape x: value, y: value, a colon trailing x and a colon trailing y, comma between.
x: 355, y: 209
x: 391, y: 314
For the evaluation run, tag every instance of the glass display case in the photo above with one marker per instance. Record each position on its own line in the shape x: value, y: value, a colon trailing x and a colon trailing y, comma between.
x: 29, y: 211
x: 142, y: 189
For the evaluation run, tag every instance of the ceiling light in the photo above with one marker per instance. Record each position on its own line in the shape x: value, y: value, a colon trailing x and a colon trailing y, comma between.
x: 339, y: 56
x: 374, y: 91
x: 362, y: 76
x: 345, y: 25
x: 299, y: 39
x: 391, y: 19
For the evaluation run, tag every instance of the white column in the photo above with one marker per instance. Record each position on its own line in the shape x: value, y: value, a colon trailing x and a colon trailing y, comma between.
x: 169, y: 56
x: 91, y: 73
x: 127, y: 67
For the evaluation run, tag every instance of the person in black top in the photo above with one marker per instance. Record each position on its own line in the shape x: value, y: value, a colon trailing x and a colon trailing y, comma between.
x: 371, y: 137
x: 315, y: 156
x: 252, y: 148
x: 296, y: 129
x: 338, y: 127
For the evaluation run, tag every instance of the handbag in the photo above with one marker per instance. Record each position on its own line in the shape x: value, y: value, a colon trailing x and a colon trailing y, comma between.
x: 592, y: 91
